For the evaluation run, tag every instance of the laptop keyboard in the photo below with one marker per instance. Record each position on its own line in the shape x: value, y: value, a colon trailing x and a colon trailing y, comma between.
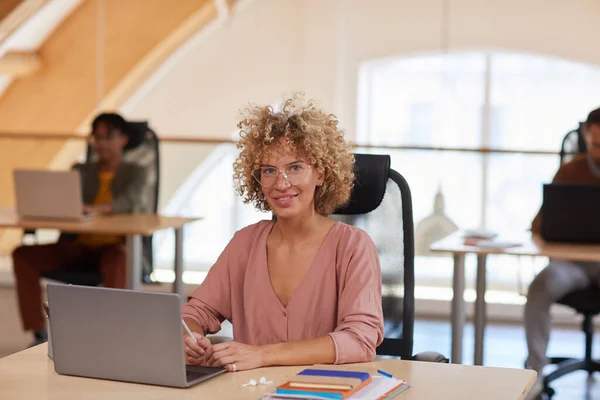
x: 193, y: 372
x: 192, y: 375
x: 196, y: 372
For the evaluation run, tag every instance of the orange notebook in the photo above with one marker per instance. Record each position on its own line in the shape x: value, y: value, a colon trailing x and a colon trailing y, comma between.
x: 328, y: 393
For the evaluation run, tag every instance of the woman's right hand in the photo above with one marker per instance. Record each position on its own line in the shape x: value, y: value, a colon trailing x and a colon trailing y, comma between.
x: 194, y: 353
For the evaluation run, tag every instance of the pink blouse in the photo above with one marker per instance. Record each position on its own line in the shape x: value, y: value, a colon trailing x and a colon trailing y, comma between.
x: 340, y: 294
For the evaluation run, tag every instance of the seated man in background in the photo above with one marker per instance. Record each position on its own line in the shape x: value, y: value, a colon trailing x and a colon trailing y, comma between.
x: 109, y: 186
x: 561, y: 276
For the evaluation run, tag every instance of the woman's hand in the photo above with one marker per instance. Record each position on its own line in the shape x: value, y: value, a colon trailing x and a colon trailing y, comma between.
x: 195, y: 353
x: 235, y: 356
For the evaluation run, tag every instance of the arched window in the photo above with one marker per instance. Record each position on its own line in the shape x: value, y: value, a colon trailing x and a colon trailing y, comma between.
x: 207, y: 193
x: 475, y: 100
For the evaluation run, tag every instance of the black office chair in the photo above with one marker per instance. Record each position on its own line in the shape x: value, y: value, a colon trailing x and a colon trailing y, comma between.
x: 586, y: 301
x: 142, y: 148
x: 381, y: 205
x: 573, y: 143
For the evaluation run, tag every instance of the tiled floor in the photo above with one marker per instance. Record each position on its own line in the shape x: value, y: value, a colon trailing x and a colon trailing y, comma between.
x: 504, y: 346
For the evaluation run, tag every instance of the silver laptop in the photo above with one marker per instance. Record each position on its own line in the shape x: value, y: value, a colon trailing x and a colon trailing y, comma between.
x: 44, y: 194
x: 120, y: 335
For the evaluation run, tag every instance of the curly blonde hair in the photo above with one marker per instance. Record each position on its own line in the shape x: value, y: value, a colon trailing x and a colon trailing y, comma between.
x: 306, y: 129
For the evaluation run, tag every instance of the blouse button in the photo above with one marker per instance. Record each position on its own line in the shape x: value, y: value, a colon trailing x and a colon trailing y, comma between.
x: 284, y: 314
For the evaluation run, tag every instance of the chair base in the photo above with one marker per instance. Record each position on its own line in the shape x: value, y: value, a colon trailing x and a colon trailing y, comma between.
x: 564, y: 367
x: 430, y: 356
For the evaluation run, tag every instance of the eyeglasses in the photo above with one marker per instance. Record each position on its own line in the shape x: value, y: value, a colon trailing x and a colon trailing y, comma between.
x: 294, y: 174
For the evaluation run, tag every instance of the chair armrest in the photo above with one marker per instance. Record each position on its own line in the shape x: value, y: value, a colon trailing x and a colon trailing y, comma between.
x: 430, y: 356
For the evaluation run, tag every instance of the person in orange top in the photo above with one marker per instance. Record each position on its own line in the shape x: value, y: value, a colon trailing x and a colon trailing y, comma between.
x: 561, y: 276
x: 109, y: 185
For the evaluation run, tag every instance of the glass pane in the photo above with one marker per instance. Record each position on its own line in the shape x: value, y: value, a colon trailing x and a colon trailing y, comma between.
x: 536, y: 100
x: 427, y: 100
x: 514, y: 189
x: 223, y: 213
x: 514, y: 196
x: 458, y: 175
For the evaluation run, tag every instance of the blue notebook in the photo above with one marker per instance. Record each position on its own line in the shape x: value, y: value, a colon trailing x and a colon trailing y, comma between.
x: 363, y: 376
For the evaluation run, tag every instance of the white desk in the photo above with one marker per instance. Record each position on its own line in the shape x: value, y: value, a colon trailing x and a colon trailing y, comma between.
x: 530, y: 246
x: 133, y: 226
x: 30, y: 375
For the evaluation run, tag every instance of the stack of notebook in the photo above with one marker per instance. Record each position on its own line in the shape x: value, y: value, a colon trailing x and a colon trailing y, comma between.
x: 339, y: 385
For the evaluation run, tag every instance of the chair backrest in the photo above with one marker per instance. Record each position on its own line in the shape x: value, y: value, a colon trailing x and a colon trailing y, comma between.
x: 381, y: 205
x: 142, y: 148
x: 572, y: 144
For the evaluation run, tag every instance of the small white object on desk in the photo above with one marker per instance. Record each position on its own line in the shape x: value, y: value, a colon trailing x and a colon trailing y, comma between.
x: 261, y: 381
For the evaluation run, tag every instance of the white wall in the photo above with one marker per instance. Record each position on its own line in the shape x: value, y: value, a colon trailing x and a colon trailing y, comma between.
x: 252, y: 57
x: 178, y: 161
x: 271, y: 47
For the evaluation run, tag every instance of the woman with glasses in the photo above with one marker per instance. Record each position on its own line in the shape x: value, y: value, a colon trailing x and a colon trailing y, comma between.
x: 300, y: 289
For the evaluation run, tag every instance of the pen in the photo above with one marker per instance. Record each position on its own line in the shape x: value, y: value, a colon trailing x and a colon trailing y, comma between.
x: 384, y: 373
x: 46, y: 308
x: 188, y: 331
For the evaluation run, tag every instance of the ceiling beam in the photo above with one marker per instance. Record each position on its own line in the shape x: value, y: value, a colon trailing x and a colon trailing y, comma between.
x: 224, y: 8
x: 18, y: 16
x: 19, y: 64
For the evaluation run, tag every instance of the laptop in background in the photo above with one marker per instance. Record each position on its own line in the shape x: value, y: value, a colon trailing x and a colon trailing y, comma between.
x: 120, y: 335
x: 42, y: 194
x: 571, y: 213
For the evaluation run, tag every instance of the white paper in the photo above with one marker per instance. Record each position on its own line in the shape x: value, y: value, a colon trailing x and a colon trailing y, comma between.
x: 492, y: 244
x: 379, y: 386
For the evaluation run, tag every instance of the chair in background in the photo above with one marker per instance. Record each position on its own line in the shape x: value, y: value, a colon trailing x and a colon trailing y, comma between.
x: 585, y: 302
x: 142, y: 148
x: 573, y: 143
x: 381, y: 205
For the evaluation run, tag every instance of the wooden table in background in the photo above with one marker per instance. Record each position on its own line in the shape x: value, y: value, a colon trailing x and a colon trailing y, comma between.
x: 529, y: 246
x: 30, y: 375
x: 133, y: 226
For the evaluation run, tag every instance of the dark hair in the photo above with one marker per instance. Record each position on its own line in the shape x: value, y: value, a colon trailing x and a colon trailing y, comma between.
x: 593, y: 117
x: 113, y: 121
